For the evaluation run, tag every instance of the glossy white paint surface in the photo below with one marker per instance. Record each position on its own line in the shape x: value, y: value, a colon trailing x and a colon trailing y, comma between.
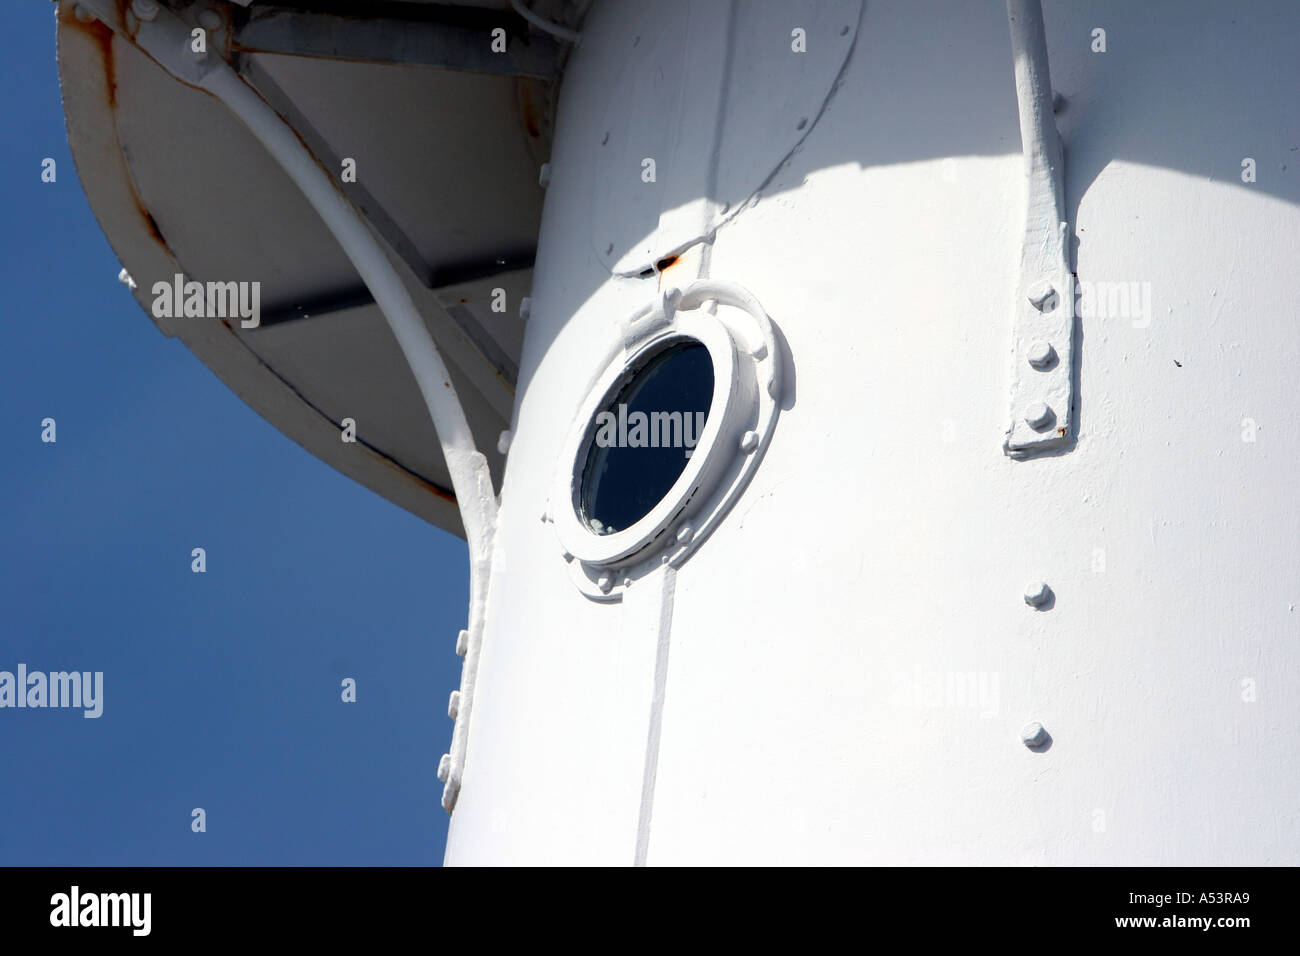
x: 886, y: 541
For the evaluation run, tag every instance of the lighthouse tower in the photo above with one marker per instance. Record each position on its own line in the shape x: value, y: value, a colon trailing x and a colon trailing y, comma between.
x: 874, y: 424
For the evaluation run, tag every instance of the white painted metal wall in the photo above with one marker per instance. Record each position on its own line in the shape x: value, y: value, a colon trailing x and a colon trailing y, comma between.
x: 842, y: 672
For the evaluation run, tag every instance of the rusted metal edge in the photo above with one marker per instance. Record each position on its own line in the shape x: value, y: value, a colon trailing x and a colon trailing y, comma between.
x: 113, y: 197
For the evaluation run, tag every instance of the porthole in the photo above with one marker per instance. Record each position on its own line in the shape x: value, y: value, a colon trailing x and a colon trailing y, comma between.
x: 640, y: 442
x: 667, y: 437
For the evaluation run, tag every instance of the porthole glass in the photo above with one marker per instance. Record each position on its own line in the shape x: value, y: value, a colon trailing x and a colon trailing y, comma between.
x: 642, y: 441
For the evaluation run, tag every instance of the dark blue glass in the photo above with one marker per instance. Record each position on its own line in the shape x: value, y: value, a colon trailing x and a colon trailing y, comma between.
x: 642, y: 442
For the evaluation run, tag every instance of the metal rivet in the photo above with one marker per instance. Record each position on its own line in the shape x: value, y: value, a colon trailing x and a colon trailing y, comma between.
x: 525, y: 308
x: 544, y: 177
x: 462, y: 643
x: 1037, y: 593
x: 83, y: 14
x: 210, y: 19
x: 503, y: 441
x: 748, y: 441
x: 145, y: 9
x: 444, y: 767
x: 1034, y: 735
x: 605, y: 583
x: 453, y: 705
x: 1038, y: 415
x: 685, y: 533
x: 1043, y: 296
x: 1040, y: 354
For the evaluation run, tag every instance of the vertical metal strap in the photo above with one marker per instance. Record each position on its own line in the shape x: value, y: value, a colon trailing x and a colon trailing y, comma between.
x: 1042, y: 389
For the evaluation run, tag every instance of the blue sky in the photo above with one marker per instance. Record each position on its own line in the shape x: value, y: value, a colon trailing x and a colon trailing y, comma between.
x: 221, y: 690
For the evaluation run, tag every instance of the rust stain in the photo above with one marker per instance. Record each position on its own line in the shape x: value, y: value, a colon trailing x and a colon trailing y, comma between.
x: 660, y: 267
x: 409, y: 476
x: 151, y: 223
x: 531, y: 97
x: 100, y: 34
x: 530, y: 119
x: 320, y: 163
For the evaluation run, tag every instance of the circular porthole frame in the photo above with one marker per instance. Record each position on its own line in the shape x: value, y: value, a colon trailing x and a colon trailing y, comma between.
x: 742, y: 416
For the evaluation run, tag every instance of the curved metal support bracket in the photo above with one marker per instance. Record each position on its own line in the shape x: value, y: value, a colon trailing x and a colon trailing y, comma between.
x: 167, y: 39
